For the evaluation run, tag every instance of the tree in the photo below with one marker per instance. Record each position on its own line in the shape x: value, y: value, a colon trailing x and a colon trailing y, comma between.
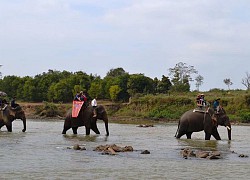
x: 164, y: 85
x: 246, y: 81
x: 199, y: 81
x: 116, y: 72
x: 114, y: 92
x: 116, y: 77
x: 138, y: 83
x: 29, y: 89
x: 181, y: 76
x: 228, y: 83
x: 95, y: 89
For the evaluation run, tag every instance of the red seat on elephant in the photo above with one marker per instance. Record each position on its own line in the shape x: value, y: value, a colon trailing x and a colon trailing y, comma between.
x: 77, y: 105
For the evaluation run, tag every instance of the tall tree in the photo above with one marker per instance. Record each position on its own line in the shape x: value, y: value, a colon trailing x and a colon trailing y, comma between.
x: 181, y: 76
x: 116, y: 72
x: 246, y: 81
x: 164, y: 85
x: 114, y: 92
x: 138, y: 83
x: 199, y: 81
x: 116, y: 77
x: 228, y: 82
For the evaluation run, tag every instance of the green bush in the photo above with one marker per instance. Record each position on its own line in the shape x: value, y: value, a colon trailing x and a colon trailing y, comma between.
x: 50, y: 110
x: 244, y: 116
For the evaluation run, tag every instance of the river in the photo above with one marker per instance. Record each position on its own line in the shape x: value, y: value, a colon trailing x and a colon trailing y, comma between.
x: 42, y: 152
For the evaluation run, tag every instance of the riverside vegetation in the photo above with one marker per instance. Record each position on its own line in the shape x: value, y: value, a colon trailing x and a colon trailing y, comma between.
x: 159, y: 107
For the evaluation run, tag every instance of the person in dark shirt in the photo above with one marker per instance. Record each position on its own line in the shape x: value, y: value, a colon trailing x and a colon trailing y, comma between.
x: 13, y: 102
x: 216, y: 105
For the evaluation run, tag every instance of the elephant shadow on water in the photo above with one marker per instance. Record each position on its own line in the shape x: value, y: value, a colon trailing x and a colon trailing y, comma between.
x: 199, y: 144
x: 85, y: 118
x: 79, y: 138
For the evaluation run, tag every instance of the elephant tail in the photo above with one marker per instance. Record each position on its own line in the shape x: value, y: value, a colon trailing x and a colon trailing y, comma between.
x: 177, y: 129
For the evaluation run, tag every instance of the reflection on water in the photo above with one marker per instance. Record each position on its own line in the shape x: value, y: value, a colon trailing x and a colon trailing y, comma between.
x: 42, y: 153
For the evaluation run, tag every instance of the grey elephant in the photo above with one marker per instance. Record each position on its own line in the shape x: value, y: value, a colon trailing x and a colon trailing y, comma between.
x: 9, y: 114
x: 85, y: 118
x: 195, y: 121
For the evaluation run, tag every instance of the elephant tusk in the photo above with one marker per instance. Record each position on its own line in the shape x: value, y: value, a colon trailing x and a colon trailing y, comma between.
x: 228, y: 128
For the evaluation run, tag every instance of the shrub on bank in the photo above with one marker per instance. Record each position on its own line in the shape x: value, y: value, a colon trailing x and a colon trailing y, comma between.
x: 51, y: 110
x: 170, y: 107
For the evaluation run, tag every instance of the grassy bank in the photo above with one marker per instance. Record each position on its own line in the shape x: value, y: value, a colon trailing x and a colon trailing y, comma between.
x: 156, y: 107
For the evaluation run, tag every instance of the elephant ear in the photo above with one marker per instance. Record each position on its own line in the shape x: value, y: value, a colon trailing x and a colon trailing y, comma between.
x: 100, y: 109
x: 12, y: 113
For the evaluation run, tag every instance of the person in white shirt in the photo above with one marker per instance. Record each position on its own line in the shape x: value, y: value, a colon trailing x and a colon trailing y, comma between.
x: 94, y: 105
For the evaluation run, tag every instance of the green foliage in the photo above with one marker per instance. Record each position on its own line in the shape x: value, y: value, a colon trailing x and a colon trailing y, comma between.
x: 95, y: 89
x: 181, y: 76
x: 245, y: 115
x: 164, y: 85
x: 168, y: 112
x: 138, y: 83
x: 51, y: 110
x: 247, y: 100
x: 114, y: 92
x: 172, y: 106
x: 116, y: 72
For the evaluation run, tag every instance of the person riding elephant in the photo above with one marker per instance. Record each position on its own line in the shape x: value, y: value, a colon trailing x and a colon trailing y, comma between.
x: 9, y: 115
x: 13, y: 102
x: 216, y: 105
x: 195, y: 121
x: 85, y: 118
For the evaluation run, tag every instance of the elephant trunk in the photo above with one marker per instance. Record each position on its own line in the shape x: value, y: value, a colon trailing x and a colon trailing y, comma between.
x: 229, y: 130
x: 106, y: 125
x: 24, y: 124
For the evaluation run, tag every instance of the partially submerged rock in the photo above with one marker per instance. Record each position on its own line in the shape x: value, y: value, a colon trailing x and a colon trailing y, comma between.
x: 200, y: 154
x: 243, y: 155
x: 240, y: 155
x: 145, y: 152
x: 187, y: 153
x: 113, y: 149
x: 77, y: 147
x: 145, y: 125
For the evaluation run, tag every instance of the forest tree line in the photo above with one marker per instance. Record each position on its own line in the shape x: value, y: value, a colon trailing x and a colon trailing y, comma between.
x: 117, y: 85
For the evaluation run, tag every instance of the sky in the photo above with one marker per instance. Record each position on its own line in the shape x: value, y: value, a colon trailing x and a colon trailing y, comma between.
x: 140, y: 36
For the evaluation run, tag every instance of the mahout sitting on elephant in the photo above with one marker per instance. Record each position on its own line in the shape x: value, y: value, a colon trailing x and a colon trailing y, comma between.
x: 195, y: 121
x: 85, y: 118
x: 9, y: 114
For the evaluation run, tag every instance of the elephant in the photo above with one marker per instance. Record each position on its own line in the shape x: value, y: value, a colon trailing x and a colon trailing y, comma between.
x: 85, y: 118
x: 9, y: 114
x: 195, y: 121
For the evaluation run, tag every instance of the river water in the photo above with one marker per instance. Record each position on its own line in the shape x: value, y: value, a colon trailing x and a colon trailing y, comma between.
x: 42, y: 152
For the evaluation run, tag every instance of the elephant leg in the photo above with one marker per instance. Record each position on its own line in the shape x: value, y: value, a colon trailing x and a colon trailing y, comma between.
x: 65, y: 129
x: 94, y: 128
x: 180, y: 133
x: 74, y: 129
x: 9, y: 127
x: 189, y: 135
x: 87, y: 130
x: 207, y: 136
x: 216, y: 134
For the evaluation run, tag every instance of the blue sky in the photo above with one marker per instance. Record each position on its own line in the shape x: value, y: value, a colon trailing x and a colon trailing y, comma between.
x: 141, y: 36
